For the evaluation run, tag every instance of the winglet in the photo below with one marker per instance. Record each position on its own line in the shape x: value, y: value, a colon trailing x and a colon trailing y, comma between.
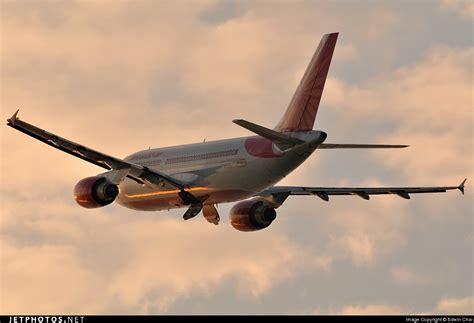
x: 461, y: 186
x: 13, y: 118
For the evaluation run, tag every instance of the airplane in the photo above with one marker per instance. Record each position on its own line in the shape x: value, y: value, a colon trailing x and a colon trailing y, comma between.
x: 244, y: 170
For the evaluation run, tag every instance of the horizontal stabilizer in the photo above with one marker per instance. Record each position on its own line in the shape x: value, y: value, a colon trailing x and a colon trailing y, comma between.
x: 282, y: 140
x: 303, y: 107
x: 358, y: 146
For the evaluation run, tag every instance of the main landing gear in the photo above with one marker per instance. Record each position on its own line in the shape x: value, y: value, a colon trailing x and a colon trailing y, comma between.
x: 195, y: 206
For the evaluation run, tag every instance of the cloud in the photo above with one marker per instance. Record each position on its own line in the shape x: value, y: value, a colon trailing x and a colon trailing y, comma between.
x: 367, y: 237
x: 436, y: 93
x: 346, y: 52
x: 381, y: 21
x: 30, y: 273
x: 407, y: 276
x: 456, y: 306
x: 463, y: 8
x: 129, y: 265
x: 123, y: 77
x: 370, y: 310
x: 445, y: 306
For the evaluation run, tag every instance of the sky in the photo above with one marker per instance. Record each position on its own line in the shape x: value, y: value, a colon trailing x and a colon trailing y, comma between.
x: 122, y: 76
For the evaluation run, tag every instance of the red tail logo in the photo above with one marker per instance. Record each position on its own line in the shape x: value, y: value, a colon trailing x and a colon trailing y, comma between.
x: 303, y: 107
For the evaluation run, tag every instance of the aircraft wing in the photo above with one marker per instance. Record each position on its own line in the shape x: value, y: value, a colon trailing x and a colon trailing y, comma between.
x: 278, y: 194
x: 358, y: 146
x: 139, y: 173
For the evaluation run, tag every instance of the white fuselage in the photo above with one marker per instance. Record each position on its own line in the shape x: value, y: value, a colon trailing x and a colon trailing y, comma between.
x: 218, y: 171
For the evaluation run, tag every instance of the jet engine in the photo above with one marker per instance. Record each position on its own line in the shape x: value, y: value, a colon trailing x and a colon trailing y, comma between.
x: 252, y: 215
x: 94, y: 192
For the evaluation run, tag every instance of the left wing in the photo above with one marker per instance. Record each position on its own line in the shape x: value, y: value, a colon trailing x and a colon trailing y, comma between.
x: 138, y: 173
x: 278, y: 194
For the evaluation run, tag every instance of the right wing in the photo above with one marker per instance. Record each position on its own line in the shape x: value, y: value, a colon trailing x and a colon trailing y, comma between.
x: 278, y: 194
x: 138, y: 173
x: 358, y: 146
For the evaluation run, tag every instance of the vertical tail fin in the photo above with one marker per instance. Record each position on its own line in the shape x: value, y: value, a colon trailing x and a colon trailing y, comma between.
x: 303, y: 107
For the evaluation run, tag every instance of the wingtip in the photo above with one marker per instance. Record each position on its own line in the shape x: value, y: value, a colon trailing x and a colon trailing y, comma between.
x: 13, y: 118
x: 461, y: 186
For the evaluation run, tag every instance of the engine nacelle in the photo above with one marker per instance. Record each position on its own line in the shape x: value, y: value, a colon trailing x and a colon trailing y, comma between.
x: 94, y: 192
x: 252, y: 215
